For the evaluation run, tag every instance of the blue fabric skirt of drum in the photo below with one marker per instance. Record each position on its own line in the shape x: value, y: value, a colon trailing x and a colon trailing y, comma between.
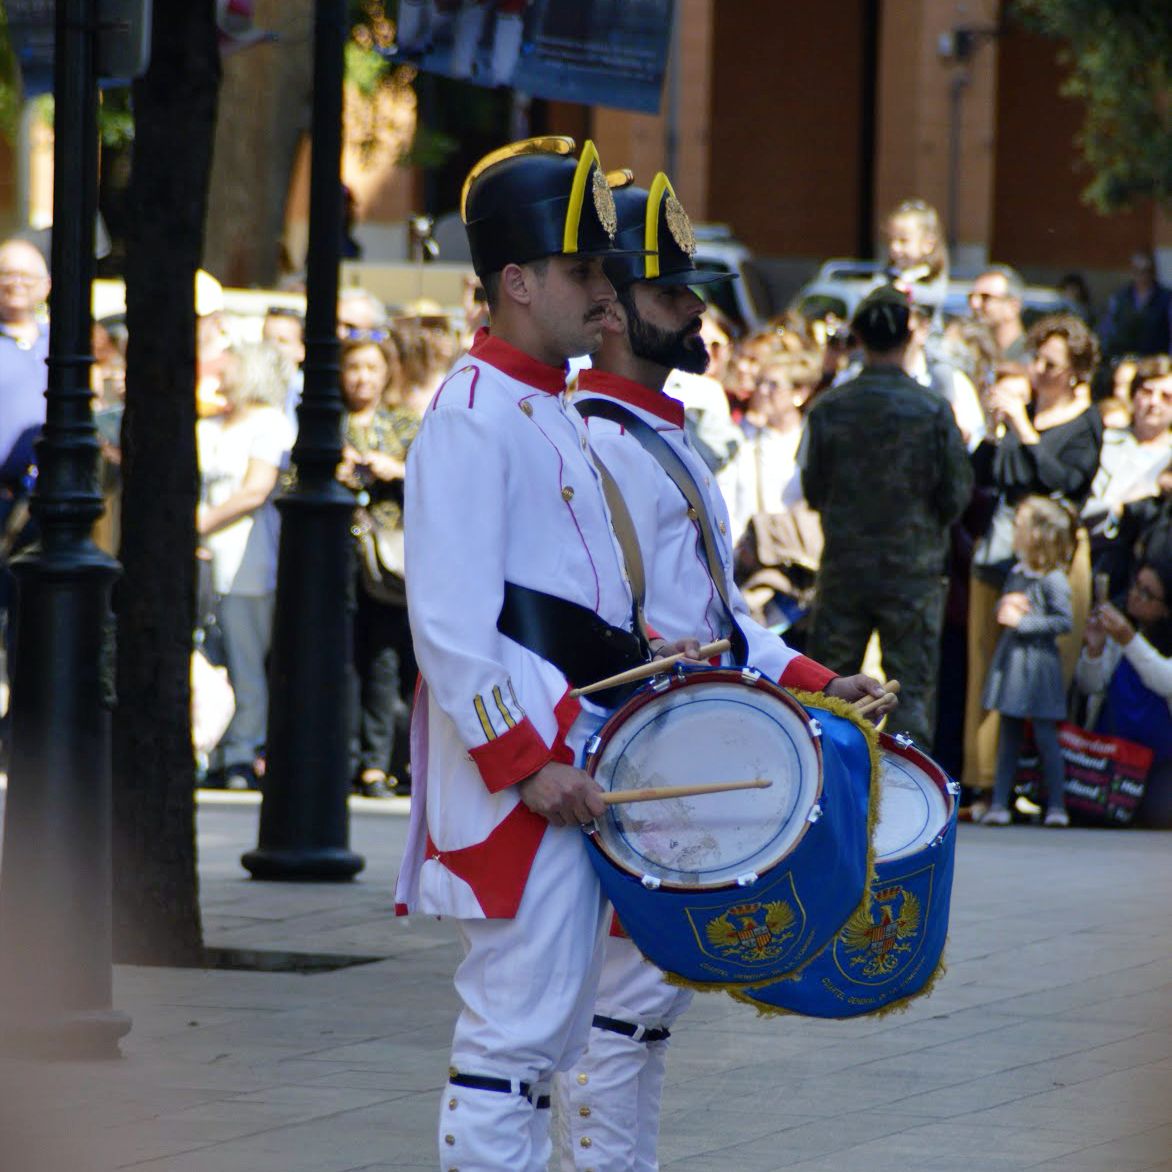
x: 766, y: 925
x: 891, y: 952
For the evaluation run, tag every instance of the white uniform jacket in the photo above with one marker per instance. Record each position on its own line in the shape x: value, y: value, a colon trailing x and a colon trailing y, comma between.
x: 681, y: 598
x: 500, y: 487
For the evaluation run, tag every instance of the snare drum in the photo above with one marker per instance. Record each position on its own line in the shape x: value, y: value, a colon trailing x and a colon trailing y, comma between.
x: 739, y: 887
x: 891, y: 952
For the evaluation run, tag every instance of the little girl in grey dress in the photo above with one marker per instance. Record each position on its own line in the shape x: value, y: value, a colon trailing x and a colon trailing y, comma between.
x: 1025, y: 675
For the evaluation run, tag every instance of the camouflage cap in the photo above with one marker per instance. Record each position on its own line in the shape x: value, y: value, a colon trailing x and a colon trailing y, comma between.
x: 881, y: 319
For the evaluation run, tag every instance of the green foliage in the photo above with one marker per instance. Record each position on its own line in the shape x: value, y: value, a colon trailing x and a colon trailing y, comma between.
x: 116, y: 117
x: 429, y: 148
x: 365, y: 68
x: 9, y: 84
x: 1119, y: 53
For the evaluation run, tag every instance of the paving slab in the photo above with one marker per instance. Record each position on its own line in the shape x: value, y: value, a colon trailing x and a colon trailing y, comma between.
x: 1048, y: 1044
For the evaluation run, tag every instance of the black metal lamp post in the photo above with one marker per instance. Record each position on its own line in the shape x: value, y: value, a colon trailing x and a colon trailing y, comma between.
x: 304, y: 823
x: 55, y: 917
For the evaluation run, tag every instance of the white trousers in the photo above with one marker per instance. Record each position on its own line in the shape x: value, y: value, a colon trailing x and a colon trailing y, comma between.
x: 528, y: 986
x: 607, y: 1105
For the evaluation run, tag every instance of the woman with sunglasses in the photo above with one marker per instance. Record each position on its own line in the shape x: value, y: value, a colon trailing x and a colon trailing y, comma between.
x: 378, y: 432
x: 1126, y: 661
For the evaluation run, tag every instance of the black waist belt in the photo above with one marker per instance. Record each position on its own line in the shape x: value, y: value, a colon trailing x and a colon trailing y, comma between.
x: 581, y: 644
x: 484, y: 1082
x: 629, y: 1030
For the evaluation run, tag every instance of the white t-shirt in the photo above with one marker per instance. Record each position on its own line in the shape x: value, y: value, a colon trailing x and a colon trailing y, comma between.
x: 244, y: 554
x: 1128, y: 471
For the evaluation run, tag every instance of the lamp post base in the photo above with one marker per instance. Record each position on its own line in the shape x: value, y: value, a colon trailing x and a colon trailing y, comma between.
x: 321, y: 864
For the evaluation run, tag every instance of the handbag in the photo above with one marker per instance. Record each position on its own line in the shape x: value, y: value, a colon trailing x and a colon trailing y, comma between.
x: 783, y: 549
x: 381, y: 557
x: 213, y: 703
x: 1106, y: 775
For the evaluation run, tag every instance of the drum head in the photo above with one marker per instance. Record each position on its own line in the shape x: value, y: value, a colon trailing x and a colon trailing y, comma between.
x: 915, y: 805
x: 707, y: 729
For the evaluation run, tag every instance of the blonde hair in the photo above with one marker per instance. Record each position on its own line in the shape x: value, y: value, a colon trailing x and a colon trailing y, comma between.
x: 803, y: 368
x: 927, y: 219
x: 260, y: 375
x: 1050, y: 526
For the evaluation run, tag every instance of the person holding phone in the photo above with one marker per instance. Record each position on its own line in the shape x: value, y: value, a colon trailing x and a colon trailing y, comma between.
x: 1126, y: 668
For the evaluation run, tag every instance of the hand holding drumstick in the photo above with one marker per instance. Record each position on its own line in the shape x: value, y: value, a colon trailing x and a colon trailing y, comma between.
x: 875, y: 708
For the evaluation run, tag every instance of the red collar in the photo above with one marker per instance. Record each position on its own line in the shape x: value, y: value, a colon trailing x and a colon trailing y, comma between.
x: 517, y: 364
x: 615, y: 386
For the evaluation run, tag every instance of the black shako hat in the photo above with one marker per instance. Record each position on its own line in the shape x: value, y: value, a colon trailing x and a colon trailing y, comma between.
x: 654, y: 236
x: 533, y: 199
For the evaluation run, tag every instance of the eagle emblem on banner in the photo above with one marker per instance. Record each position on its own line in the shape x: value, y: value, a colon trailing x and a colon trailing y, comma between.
x: 876, y: 944
x: 751, y: 932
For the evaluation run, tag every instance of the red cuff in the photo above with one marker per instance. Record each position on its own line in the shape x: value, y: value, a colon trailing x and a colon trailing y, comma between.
x: 566, y: 711
x: 806, y: 674
x: 511, y: 757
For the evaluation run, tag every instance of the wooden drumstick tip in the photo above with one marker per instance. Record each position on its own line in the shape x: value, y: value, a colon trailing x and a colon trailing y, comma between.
x: 647, y: 670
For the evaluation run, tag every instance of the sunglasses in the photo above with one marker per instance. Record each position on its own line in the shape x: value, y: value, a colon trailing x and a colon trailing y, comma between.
x: 357, y: 334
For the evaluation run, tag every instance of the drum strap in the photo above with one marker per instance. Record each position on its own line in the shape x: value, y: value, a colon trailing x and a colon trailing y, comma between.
x: 698, y: 510
x: 624, y: 531
x: 629, y: 1029
x: 577, y: 641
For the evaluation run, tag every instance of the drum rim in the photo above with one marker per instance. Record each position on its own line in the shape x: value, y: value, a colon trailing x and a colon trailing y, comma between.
x: 888, y: 743
x: 681, y: 679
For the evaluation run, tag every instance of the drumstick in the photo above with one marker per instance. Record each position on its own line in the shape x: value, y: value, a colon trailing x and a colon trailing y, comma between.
x: 662, y: 792
x: 870, y: 703
x: 643, y: 671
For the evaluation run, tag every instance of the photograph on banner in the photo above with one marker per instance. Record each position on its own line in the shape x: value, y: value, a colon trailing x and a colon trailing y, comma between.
x: 596, y: 52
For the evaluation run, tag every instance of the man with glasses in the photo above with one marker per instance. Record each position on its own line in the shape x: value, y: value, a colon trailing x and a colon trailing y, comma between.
x: 24, y: 348
x: 996, y: 303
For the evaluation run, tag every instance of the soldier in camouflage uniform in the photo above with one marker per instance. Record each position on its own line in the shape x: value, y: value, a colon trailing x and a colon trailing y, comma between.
x: 885, y: 464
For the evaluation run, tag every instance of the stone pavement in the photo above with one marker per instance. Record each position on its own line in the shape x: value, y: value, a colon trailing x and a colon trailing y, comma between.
x: 1048, y: 1045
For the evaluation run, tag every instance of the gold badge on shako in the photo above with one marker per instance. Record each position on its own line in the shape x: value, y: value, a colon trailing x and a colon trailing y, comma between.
x: 679, y: 225
x: 604, y: 204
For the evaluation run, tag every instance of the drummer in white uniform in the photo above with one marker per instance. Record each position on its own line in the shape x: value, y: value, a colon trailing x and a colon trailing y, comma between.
x: 516, y: 589
x: 609, y: 1102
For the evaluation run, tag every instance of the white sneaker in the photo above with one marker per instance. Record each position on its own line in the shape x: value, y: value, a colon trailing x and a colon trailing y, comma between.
x: 996, y: 816
x: 1056, y: 818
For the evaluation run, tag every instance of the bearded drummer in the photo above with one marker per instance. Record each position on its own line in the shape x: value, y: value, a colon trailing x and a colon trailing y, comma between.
x: 517, y: 588
x: 611, y: 1097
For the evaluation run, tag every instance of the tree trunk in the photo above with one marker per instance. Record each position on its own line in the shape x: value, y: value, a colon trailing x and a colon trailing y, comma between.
x: 156, y: 901
x: 264, y: 111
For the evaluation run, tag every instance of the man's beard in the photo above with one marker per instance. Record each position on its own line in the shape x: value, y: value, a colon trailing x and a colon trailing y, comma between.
x: 682, y: 350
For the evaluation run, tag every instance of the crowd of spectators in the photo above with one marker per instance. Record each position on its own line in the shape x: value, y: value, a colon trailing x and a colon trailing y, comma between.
x: 1071, y: 407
